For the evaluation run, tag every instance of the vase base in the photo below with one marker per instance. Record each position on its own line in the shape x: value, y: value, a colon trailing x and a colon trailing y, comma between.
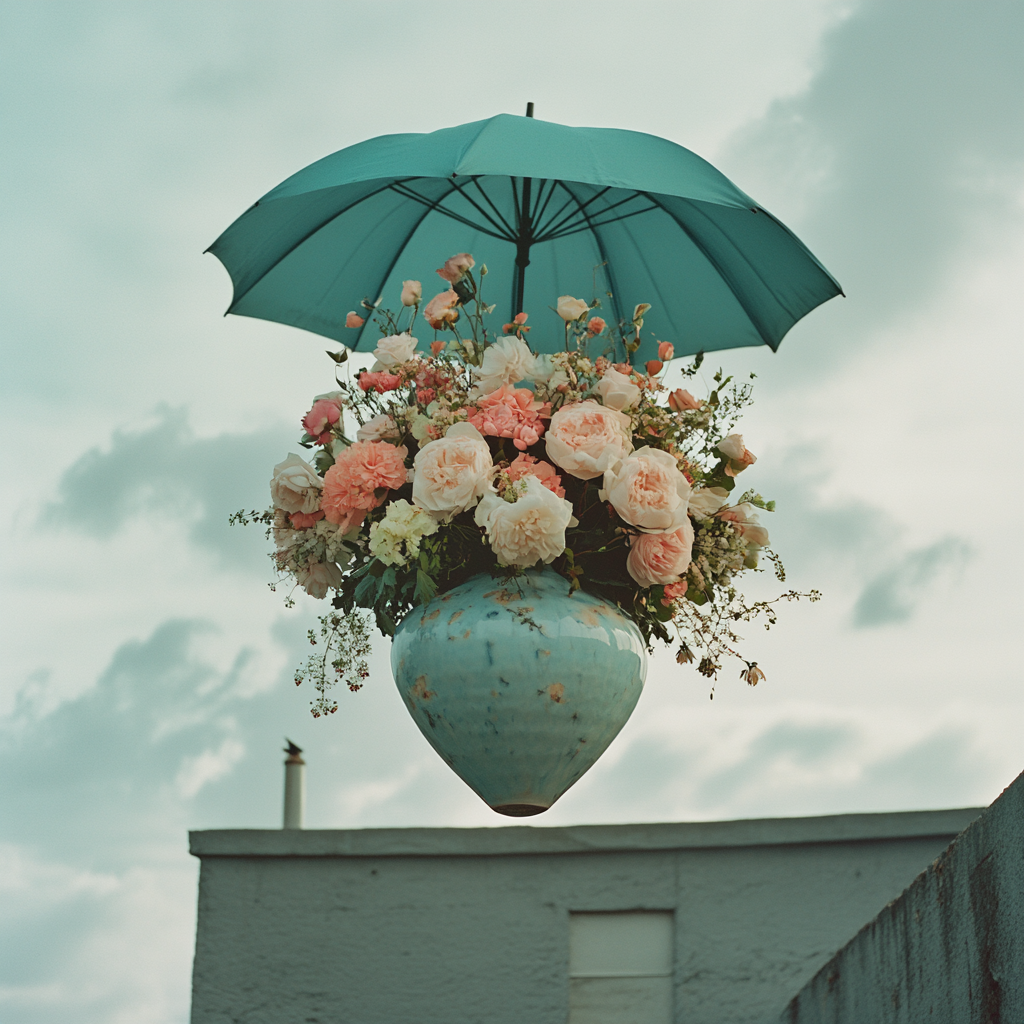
x: 519, y: 810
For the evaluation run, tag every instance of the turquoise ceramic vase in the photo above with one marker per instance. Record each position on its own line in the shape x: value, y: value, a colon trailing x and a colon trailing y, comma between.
x: 519, y: 686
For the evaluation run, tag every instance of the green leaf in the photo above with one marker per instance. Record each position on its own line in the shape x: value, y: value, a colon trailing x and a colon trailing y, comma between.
x: 339, y: 357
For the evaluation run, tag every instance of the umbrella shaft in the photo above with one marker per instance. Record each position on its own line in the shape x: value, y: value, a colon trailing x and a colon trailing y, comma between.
x: 523, y: 243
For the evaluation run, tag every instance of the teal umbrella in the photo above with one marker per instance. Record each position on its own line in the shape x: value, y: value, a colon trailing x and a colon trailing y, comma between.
x: 591, y: 212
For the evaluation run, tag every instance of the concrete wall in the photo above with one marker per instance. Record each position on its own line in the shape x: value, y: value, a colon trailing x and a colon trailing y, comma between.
x: 950, y: 950
x: 466, y: 926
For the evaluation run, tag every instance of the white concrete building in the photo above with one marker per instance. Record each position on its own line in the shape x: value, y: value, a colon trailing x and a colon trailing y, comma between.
x: 704, y: 923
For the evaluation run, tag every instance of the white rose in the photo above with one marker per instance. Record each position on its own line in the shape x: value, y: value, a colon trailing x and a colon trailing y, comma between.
x: 648, y: 491
x: 617, y: 391
x: 295, y: 486
x: 529, y: 530
x: 412, y: 293
x: 585, y: 438
x: 393, y: 350
x: 547, y: 373
x: 569, y: 308
x: 732, y: 447
x: 706, y: 501
x: 316, y: 578
x: 507, y: 361
x: 452, y: 472
x: 380, y: 428
x: 744, y: 520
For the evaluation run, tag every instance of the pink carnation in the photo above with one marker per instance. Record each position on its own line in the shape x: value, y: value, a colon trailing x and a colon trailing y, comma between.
x: 527, y: 465
x: 510, y: 412
x: 381, y: 381
x: 318, y: 421
x: 360, y: 478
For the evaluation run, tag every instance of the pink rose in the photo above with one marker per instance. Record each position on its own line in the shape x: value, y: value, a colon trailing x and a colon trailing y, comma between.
x: 585, y: 438
x: 440, y: 310
x: 648, y: 491
x: 316, y: 578
x: 680, y: 400
x: 361, y: 472
x: 304, y: 520
x: 353, y: 319
x: 509, y: 412
x: 456, y: 268
x: 665, y: 351
x: 318, y: 421
x: 527, y: 465
x: 660, y: 558
x: 595, y: 325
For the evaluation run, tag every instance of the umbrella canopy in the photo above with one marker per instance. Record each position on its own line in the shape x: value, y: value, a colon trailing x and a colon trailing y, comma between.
x: 618, y: 215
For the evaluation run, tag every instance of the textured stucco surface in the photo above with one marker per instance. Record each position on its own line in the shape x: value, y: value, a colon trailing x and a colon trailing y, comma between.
x: 453, y: 926
x: 950, y: 950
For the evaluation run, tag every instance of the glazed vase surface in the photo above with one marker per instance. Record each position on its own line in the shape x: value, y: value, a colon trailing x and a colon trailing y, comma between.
x: 519, y: 686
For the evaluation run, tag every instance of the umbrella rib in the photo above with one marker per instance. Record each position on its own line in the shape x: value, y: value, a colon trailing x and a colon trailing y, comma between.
x: 402, y: 190
x: 724, y: 275
x: 539, y: 210
x: 490, y: 203
x: 604, y: 256
x: 552, y: 226
x: 600, y: 223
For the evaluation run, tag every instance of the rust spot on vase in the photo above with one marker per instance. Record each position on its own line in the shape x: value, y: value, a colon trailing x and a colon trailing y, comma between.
x: 420, y: 690
x: 556, y: 691
x: 541, y: 653
x: 502, y: 596
x: 433, y: 615
x: 455, y: 615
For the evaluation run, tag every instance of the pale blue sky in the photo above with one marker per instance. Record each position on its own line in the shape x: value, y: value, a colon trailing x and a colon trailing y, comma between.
x: 146, y: 687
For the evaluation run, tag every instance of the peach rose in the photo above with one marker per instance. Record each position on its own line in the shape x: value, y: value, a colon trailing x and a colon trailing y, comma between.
x: 680, y: 400
x: 585, y: 438
x: 617, y: 391
x: 304, y: 520
x: 660, y: 558
x: 737, y: 453
x: 569, y: 308
x: 360, y: 478
x: 648, y: 491
x: 654, y: 367
x: 412, y: 293
x: 595, y: 325
x: 743, y: 519
x: 451, y: 473
x: 456, y: 267
x: 353, y: 319
x: 665, y: 351
x: 440, y: 310
x: 379, y: 428
x: 527, y: 465
x: 295, y: 486
x: 529, y: 530
x: 706, y: 501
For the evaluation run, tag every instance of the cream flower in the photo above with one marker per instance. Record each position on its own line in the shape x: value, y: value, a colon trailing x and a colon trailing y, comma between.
x: 743, y: 519
x: 316, y: 578
x: 569, y: 308
x: 380, y: 428
x: 617, y: 391
x: 660, y: 558
x: 392, y: 351
x: 585, y: 438
x: 706, y: 501
x: 505, y: 362
x: 395, y: 540
x: 295, y: 486
x: 529, y: 530
x: 737, y: 453
x: 451, y: 473
x: 648, y: 491
x: 547, y: 373
x: 412, y: 293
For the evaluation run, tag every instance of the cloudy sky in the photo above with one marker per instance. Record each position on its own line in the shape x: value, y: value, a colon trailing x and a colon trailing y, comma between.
x: 146, y: 686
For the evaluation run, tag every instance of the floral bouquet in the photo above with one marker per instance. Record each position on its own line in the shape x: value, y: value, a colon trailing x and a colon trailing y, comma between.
x: 474, y: 454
